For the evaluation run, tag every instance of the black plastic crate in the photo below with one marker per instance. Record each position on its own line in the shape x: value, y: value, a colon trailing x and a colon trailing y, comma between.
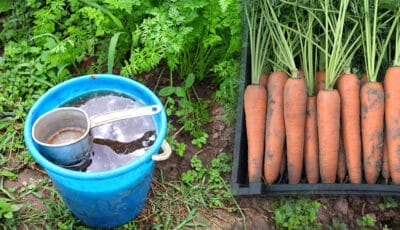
x: 242, y: 187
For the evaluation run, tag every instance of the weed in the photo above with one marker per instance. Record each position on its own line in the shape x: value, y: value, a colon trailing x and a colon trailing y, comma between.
x: 367, y: 221
x: 210, y: 179
x: 176, y: 204
x: 337, y: 225
x: 227, y: 93
x: 26, y: 215
x: 8, y: 174
x: 7, y: 209
x: 297, y: 214
x: 191, y: 112
x: 388, y: 202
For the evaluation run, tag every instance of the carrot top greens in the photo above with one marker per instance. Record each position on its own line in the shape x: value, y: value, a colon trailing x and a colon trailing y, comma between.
x: 339, y: 47
x: 284, y: 40
x: 375, y: 46
x: 259, y: 41
x: 308, y: 52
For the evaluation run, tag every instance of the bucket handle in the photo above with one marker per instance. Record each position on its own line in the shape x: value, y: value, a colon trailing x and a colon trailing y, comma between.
x: 165, y: 154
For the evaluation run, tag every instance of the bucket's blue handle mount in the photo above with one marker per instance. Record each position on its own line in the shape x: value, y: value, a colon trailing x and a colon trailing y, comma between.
x: 165, y: 154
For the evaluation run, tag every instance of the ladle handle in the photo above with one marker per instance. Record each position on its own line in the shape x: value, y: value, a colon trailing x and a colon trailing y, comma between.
x: 165, y: 154
x: 104, y: 118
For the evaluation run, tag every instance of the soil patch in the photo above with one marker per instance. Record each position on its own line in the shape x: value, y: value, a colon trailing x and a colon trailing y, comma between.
x: 27, y: 178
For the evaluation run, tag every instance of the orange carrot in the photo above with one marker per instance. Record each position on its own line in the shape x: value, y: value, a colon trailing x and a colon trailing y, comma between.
x: 311, y: 163
x: 385, y: 161
x: 320, y: 80
x: 392, y: 115
x: 342, y: 169
x: 328, y: 110
x: 295, y: 99
x: 275, y: 126
x: 349, y: 90
x: 372, y: 112
x: 283, y: 161
x: 363, y: 79
x: 255, y: 107
x: 263, y: 79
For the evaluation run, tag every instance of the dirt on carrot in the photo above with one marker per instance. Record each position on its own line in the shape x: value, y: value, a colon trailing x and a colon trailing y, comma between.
x: 311, y: 162
x: 328, y: 109
x: 275, y: 126
x: 349, y: 90
x: 372, y: 122
x: 320, y: 80
x: 392, y: 112
x: 295, y: 99
x: 342, y: 169
x: 255, y: 107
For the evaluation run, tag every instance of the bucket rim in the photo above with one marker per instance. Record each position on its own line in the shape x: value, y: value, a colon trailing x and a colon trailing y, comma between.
x: 50, y: 166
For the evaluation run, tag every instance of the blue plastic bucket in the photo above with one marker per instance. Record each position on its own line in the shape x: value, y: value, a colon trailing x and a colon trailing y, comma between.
x: 100, y: 199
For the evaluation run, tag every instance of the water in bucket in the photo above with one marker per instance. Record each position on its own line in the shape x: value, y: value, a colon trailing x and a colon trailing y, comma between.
x: 117, y: 143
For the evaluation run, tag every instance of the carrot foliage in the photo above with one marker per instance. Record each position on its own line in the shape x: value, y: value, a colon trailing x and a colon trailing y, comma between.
x: 375, y: 44
x: 339, y: 45
x: 284, y: 39
x: 308, y: 52
x: 259, y: 40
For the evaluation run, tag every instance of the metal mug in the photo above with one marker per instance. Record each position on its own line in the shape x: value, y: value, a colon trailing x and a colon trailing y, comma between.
x: 63, y: 134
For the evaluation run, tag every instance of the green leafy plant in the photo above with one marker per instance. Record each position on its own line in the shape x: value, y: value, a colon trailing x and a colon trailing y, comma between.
x: 367, y: 221
x: 7, y: 209
x: 190, y: 112
x: 227, y: 94
x: 337, y: 225
x: 297, y: 214
x: 388, y: 203
x: 210, y: 179
x: 178, y: 147
x: 179, y: 204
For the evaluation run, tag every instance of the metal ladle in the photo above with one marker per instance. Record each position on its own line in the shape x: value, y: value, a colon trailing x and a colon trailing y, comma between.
x: 63, y: 134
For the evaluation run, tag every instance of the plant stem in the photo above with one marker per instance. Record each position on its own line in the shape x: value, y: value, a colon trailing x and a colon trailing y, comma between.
x: 339, y: 47
x: 283, y: 43
x: 259, y: 42
x: 307, y: 49
x: 396, y: 59
x: 373, y: 58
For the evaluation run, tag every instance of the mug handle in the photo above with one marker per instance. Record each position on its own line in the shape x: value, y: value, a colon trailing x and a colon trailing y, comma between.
x: 165, y: 154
